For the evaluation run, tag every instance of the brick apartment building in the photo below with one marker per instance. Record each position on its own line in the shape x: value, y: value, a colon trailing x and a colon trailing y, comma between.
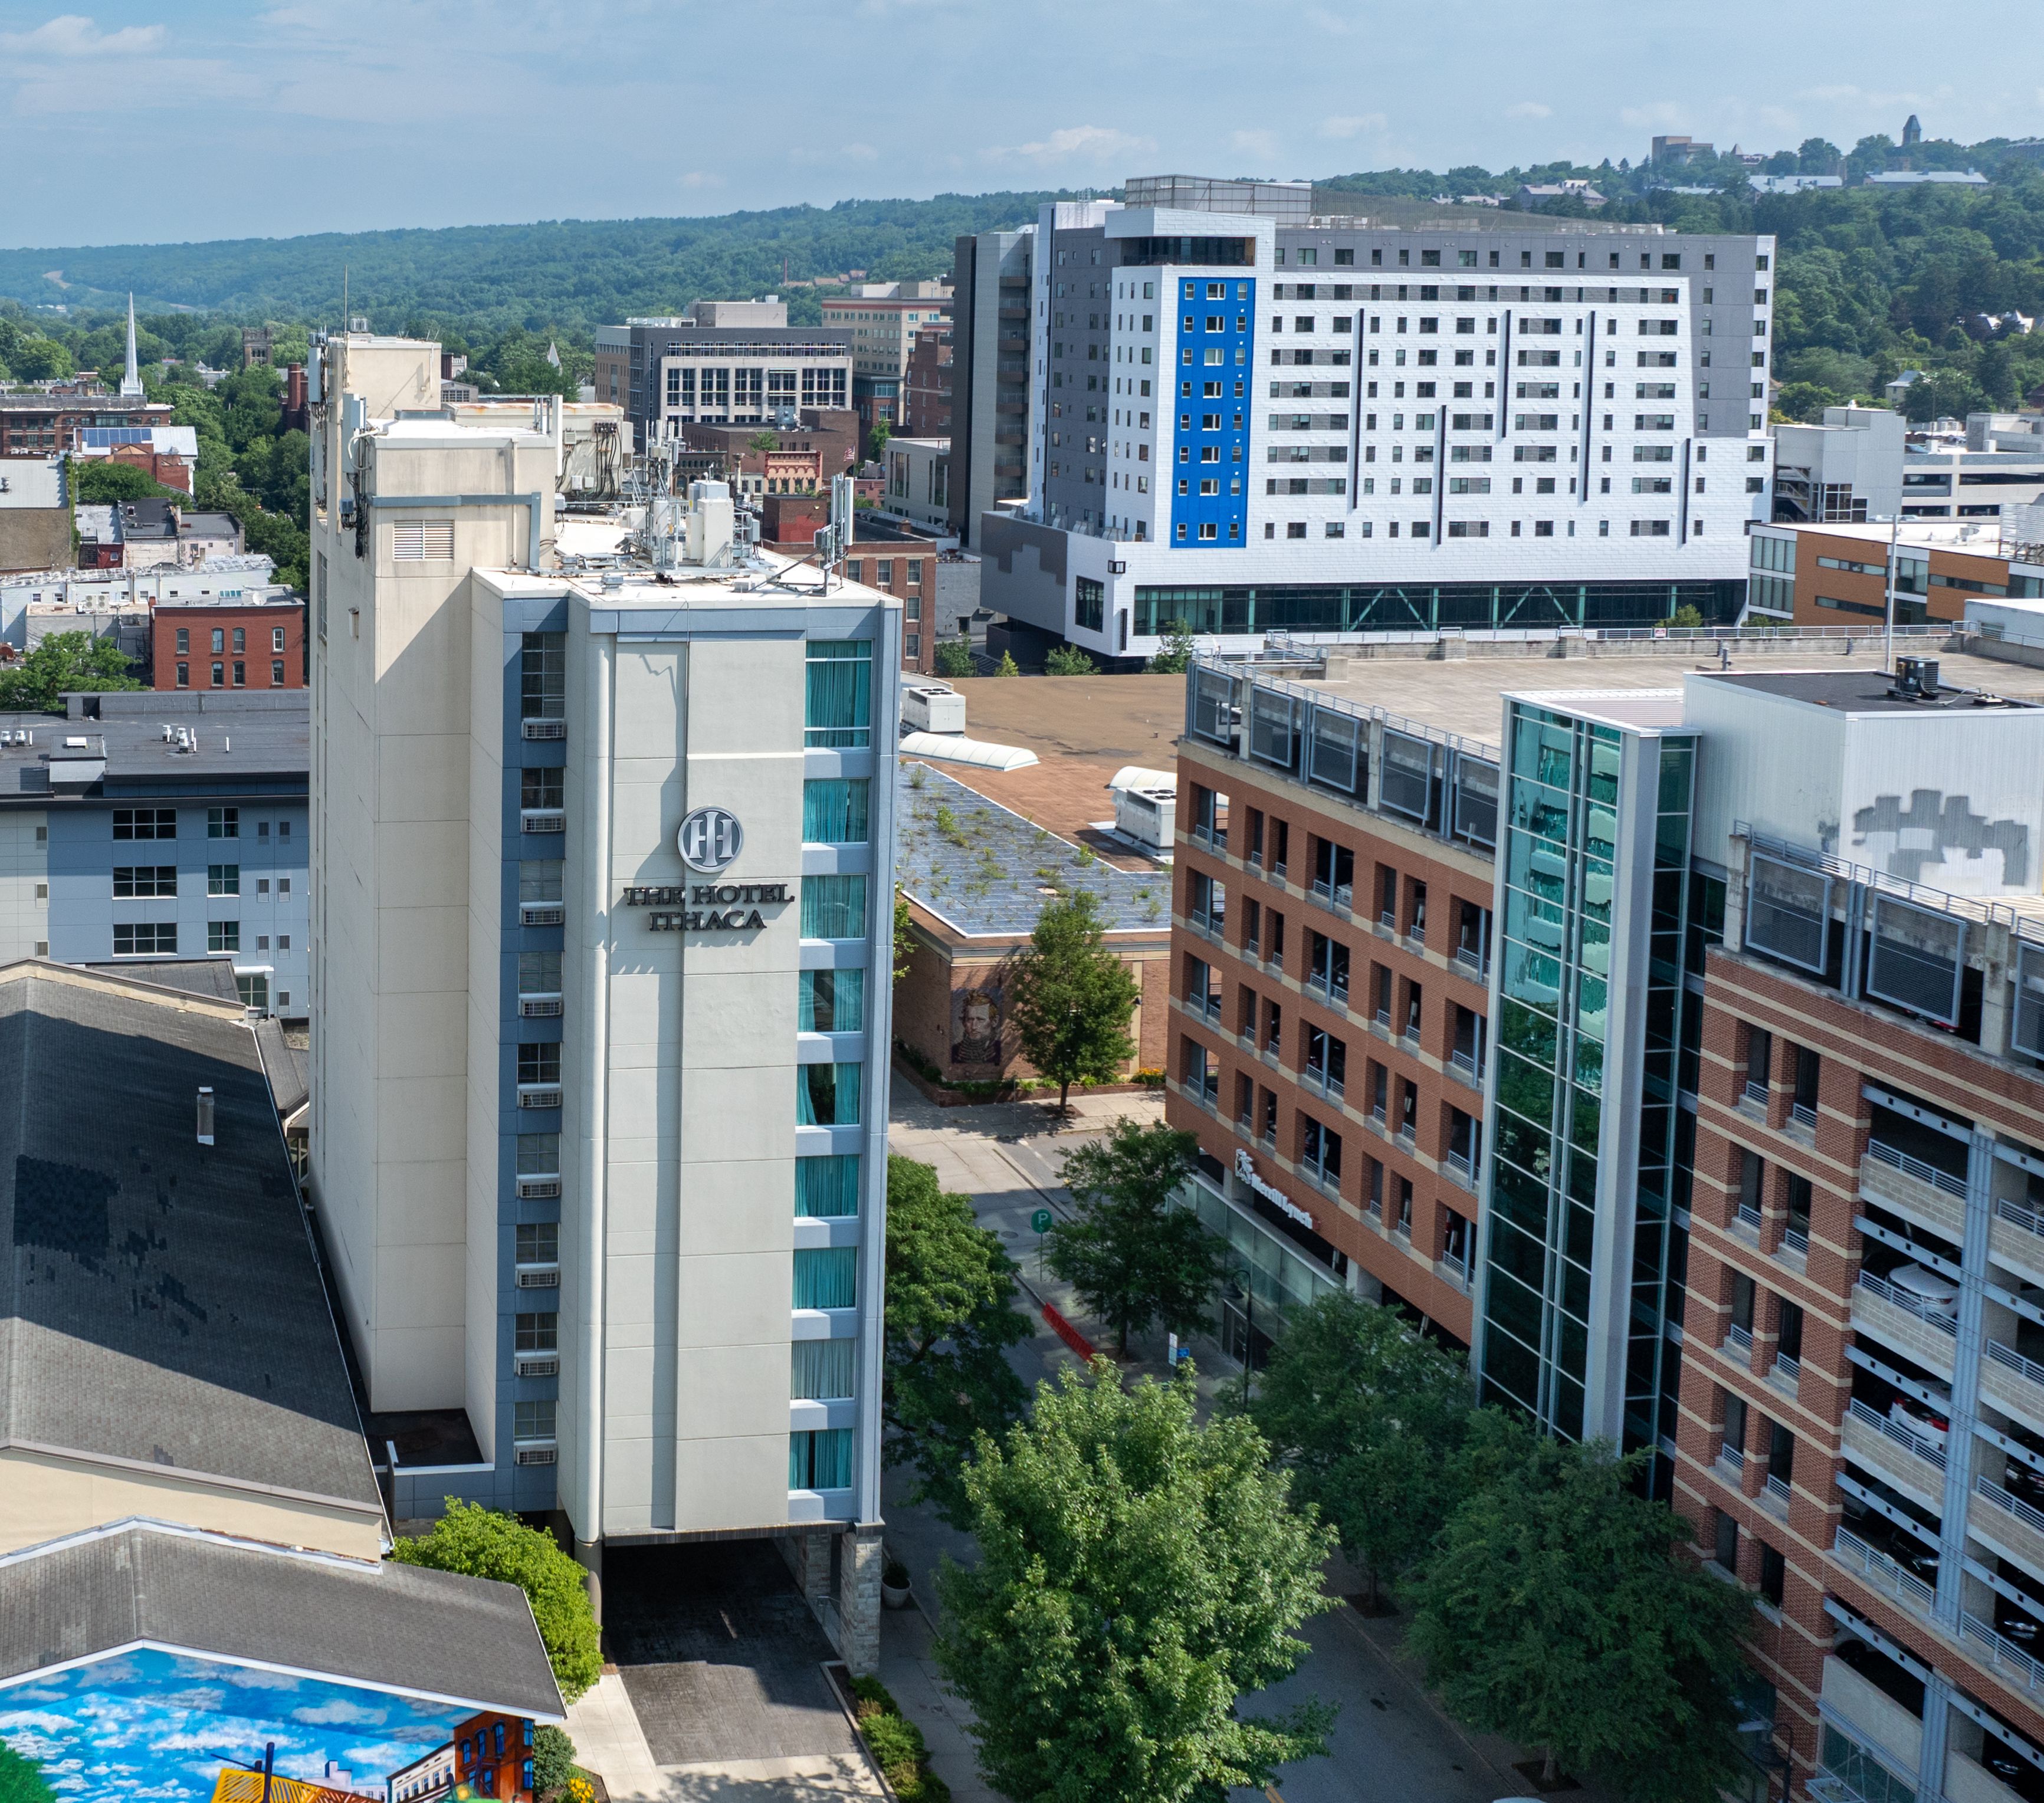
x: 37, y: 425
x: 1838, y: 574
x: 1686, y: 1064
x: 824, y: 444
x: 926, y: 386
x: 229, y: 644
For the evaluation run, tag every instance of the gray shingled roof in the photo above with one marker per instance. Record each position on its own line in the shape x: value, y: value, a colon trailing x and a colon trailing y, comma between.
x: 160, y: 1299
x: 989, y: 871
x: 398, y: 1627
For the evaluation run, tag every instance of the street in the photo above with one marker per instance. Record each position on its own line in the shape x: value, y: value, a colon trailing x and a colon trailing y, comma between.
x: 1389, y: 1741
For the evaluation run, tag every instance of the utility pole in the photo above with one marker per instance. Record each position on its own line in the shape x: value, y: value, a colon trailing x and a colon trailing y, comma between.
x: 1888, y: 611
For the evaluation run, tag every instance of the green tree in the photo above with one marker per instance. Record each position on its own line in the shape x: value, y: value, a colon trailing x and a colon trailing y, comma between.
x: 1071, y: 998
x: 1007, y: 666
x: 904, y: 935
x: 1069, y: 660
x: 763, y: 442
x: 1686, y: 618
x: 950, y: 1318
x: 65, y: 663
x: 1368, y: 1417
x: 40, y: 360
x: 954, y: 658
x: 1139, y: 1574
x: 100, y: 479
x: 1133, y: 1256
x: 484, y: 1543
x: 553, y: 1761
x: 883, y: 429
x: 22, y: 1779
x: 1174, y: 656
x: 1555, y: 1609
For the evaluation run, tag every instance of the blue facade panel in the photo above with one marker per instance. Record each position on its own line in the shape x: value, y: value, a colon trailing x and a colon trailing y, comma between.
x: 1209, y: 470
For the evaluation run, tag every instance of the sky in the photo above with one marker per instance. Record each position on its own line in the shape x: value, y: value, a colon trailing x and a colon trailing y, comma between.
x: 149, y: 120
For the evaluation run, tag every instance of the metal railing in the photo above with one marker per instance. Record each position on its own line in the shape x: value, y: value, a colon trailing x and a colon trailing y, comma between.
x: 1796, y: 1240
x: 1732, y: 1457
x: 1317, y: 1078
x: 1924, y: 1312
x: 1458, y: 1166
x: 1340, y: 896
x: 1740, y: 1337
x: 1868, y: 1415
x: 1465, y: 1061
x: 1777, y: 1488
x: 1748, y: 1216
x: 1909, y: 1167
x: 1788, y: 1370
x: 1336, y: 993
x: 2011, y: 1360
x: 1756, y: 1092
x: 2004, y: 1656
x: 2009, y: 1504
x: 2018, y: 1216
x: 1472, y: 957
x: 1883, y: 1573
x: 1802, y: 1115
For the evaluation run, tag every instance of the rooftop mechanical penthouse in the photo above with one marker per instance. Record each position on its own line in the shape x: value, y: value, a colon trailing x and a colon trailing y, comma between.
x: 1673, y: 1038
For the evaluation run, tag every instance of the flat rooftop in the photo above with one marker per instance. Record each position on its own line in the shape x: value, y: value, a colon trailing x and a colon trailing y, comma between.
x: 1465, y: 696
x: 1854, y: 692
x: 1082, y: 729
x: 1979, y: 538
x: 986, y: 871
x: 237, y: 739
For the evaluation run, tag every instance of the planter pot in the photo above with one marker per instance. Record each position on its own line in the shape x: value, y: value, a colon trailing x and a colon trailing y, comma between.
x: 895, y: 1596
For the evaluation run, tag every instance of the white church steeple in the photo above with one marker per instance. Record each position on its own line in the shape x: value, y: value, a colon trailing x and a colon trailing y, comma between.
x: 131, y: 383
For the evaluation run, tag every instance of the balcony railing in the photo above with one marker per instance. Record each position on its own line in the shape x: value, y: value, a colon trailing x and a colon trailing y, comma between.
x: 1755, y: 1092
x: 1472, y: 959
x: 1338, y: 896
x: 1458, y: 1167
x: 1383, y: 1018
x: 1788, y: 1370
x: 1209, y: 1004
x: 1316, y: 1078
x: 1796, y: 1239
x: 1336, y: 993
x: 1883, y: 1573
x: 2012, y: 1359
x: 2016, y: 1215
x: 1936, y: 1317
x: 2005, y: 1656
x: 1868, y: 1415
x: 1915, y: 1167
x: 1738, y: 1336
x: 1802, y: 1115
x: 1732, y: 1457
x: 1748, y: 1216
x: 1388, y: 920
x: 1989, y: 1490
x: 1777, y: 1487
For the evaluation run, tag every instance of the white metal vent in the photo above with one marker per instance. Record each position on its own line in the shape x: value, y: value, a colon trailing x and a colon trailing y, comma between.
x: 422, y: 541
x: 541, y: 914
x: 546, y: 729
x: 536, y: 1456
x: 539, y: 1277
x: 538, y: 1189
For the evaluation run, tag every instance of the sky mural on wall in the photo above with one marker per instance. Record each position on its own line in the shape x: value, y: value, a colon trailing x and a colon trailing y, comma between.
x: 151, y: 1727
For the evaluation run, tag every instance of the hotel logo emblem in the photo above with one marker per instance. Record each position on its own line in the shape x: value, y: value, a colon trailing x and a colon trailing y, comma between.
x: 710, y: 839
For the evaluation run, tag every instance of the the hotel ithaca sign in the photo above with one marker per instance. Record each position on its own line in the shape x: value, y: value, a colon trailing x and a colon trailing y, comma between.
x: 709, y: 840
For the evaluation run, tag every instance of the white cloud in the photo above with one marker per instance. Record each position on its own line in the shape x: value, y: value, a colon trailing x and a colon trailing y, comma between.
x: 73, y: 34
x: 1529, y: 109
x: 1352, y: 124
x: 338, y: 1712
x: 1660, y: 113
x: 1091, y: 143
x: 861, y: 153
x: 698, y: 178
x: 1262, y: 144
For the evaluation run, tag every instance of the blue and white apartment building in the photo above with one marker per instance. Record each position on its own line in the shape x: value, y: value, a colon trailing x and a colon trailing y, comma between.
x: 602, y: 944
x: 1254, y: 417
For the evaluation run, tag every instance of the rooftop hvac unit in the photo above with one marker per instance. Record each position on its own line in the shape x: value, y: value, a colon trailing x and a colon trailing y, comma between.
x: 1146, y: 816
x: 932, y: 707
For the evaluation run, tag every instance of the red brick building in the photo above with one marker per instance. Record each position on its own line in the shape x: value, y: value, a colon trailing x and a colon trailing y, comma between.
x: 909, y: 570
x: 493, y: 1757
x: 229, y: 644
x: 926, y: 387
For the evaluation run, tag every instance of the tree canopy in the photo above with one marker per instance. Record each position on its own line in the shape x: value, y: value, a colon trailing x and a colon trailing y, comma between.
x: 1133, y: 1255
x: 65, y: 663
x: 950, y: 1318
x: 1139, y: 1574
x: 1071, y: 998
x: 484, y: 1543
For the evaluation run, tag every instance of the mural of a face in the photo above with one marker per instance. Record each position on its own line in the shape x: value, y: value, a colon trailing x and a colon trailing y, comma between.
x: 976, y: 1029
x: 154, y: 1726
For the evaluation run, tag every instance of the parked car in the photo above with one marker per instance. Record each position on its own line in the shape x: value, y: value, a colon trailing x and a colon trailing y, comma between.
x: 1932, y: 1288
x: 1927, y: 1423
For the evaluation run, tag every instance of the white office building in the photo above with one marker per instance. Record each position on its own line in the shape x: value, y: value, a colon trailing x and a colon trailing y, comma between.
x: 602, y: 945
x: 1251, y: 417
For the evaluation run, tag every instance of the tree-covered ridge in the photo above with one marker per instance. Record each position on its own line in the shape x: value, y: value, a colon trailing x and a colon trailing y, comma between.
x: 554, y: 274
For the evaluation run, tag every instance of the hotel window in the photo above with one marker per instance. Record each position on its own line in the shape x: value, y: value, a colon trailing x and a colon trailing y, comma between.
x: 820, y: 1370
x: 146, y: 822
x: 539, y: 1061
x: 223, y: 935
x: 539, y: 1154
x: 544, y: 790
x: 220, y: 639
x: 184, y: 640
x: 832, y: 1001
x: 834, y: 810
x: 542, y: 673
x: 821, y: 1460
x: 240, y: 639
x: 833, y: 908
x: 532, y: 1420
x: 539, y: 1332
x: 221, y: 823
x: 839, y: 704
x: 827, y: 1095
x: 276, y: 638
x: 827, y: 1277
x: 537, y: 1242
x: 826, y: 1187
x: 223, y: 879
x: 145, y: 879
x: 145, y: 939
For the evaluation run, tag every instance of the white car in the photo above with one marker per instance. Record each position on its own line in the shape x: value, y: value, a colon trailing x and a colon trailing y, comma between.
x: 1932, y: 1288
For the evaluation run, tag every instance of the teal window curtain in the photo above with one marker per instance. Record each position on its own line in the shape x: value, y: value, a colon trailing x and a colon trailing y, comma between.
x: 827, y: 1186
x: 821, y: 1460
x: 840, y: 702
x: 827, y: 1095
x: 820, y: 1370
x: 827, y: 1277
x: 834, y: 810
x: 833, y: 908
x: 833, y: 1001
